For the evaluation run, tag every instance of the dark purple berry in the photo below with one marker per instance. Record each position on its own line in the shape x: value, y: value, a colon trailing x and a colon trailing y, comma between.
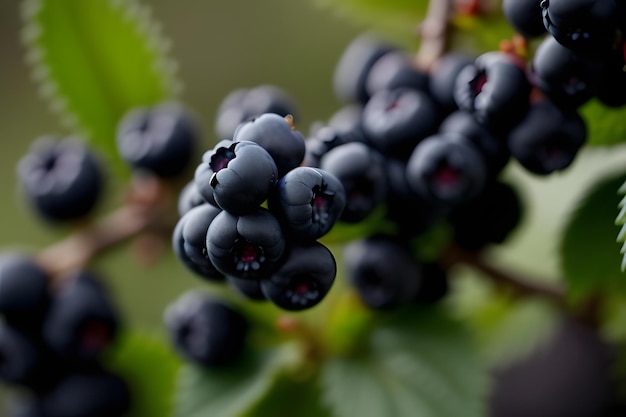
x: 246, y: 246
x: 442, y: 79
x: 243, y: 104
x: 24, y: 289
x: 160, y: 139
x: 205, y: 330
x: 87, y: 394
x: 82, y: 321
x: 394, y: 121
x: 584, y: 26
x: 548, y: 139
x: 446, y: 170
x: 491, y: 145
x: 395, y: 70
x: 566, y: 77
x: 243, y: 174
x: 361, y: 170
x: 353, y: 66
x: 20, y: 359
x: 495, y: 89
x: 277, y: 135
x: 382, y: 270
x: 303, y: 278
x: 525, y: 17
x: 250, y: 289
x: 308, y: 201
x: 189, y: 198
x: 61, y: 179
x: 203, y: 269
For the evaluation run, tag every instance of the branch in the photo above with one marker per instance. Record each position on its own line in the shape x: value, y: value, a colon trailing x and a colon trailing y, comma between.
x: 141, y: 213
x: 522, y: 286
x: 433, y: 33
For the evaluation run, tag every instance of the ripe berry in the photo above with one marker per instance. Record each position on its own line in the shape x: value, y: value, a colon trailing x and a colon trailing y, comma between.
x: 250, y: 289
x: 566, y: 77
x: 160, y: 139
x: 277, y: 136
x: 82, y: 321
x: 548, y: 139
x: 303, y: 278
x: 204, y: 269
x: 20, y: 358
x: 206, y: 330
x: 360, y: 169
x: 195, y: 224
x: 395, y: 70
x: 246, y: 246
x: 24, y: 291
x: 382, y: 270
x: 243, y: 104
x: 525, y: 17
x: 584, y: 26
x: 308, y: 201
x: 357, y: 59
x: 61, y: 179
x: 491, y: 145
x: 394, y: 121
x: 495, y: 89
x: 81, y: 394
x: 189, y: 198
x: 442, y: 79
x: 242, y: 175
x: 446, y: 170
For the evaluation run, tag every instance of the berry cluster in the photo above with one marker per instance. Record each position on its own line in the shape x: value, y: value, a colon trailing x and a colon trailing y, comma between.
x: 252, y: 215
x: 52, y: 340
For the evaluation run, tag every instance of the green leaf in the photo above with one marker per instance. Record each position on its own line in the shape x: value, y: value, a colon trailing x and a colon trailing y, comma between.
x: 620, y: 220
x: 233, y: 390
x: 605, y: 124
x: 291, y: 396
x: 150, y: 367
x: 416, y: 362
x: 94, y: 60
x: 589, y: 258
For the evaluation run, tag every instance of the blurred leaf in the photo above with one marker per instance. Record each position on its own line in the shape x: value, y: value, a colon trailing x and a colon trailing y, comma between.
x: 291, y: 397
x: 605, y: 124
x: 416, y: 362
x: 589, y: 257
x: 150, y: 367
x: 233, y: 390
x: 397, y: 19
x: 480, y: 33
x: 621, y: 221
x: 94, y: 60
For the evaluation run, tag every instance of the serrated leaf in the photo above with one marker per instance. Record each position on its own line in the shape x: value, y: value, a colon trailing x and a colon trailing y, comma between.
x: 94, y: 60
x: 589, y: 258
x: 620, y: 220
x: 605, y: 125
x: 150, y: 367
x: 233, y: 390
x: 416, y: 362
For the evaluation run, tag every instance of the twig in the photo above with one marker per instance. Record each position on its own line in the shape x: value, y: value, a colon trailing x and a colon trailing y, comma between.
x: 523, y: 286
x: 138, y: 215
x: 433, y: 33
